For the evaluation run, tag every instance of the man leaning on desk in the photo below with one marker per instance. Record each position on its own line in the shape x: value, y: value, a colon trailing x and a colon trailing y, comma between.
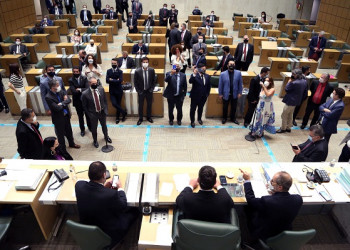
x: 100, y: 204
x: 206, y: 205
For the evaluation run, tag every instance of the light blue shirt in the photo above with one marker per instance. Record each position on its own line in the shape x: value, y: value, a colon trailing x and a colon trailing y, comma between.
x: 177, y: 84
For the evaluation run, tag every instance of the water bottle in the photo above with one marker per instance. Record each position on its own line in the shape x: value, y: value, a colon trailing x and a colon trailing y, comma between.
x: 64, y: 51
x: 72, y: 172
x: 332, y: 163
x: 114, y: 167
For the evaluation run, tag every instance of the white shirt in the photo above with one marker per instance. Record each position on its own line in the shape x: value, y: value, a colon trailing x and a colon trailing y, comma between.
x: 85, y: 15
x: 91, y: 49
x: 245, y: 45
x: 124, y: 66
x: 90, y: 73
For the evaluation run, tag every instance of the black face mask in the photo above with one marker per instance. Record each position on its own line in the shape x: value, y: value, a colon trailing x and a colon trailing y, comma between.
x: 94, y: 86
x: 245, y: 40
x: 92, y: 44
x: 51, y: 74
x: 231, y: 67
x: 200, y: 53
x: 292, y: 77
x: 199, y: 33
x: 149, y: 18
x: 114, y: 66
x: 207, y: 20
x: 177, y: 69
x: 130, y: 16
x: 76, y: 75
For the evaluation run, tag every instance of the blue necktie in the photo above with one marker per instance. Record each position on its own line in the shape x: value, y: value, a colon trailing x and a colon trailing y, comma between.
x: 59, y: 99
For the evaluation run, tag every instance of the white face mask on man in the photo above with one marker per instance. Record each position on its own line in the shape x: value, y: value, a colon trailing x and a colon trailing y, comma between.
x: 58, y: 89
x: 34, y: 118
x: 145, y: 65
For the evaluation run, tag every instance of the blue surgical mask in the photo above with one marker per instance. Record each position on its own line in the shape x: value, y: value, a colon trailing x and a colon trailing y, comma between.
x: 309, y: 138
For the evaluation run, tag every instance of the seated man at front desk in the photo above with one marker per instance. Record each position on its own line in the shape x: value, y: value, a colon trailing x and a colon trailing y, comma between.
x: 196, y: 11
x: 125, y: 61
x: 46, y: 22
x: 207, y: 23
x: 139, y: 49
x: 206, y: 205
x: 149, y: 21
x: 271, y: 214
x: 18, y: 48
x: 315, y: 149
x: 100, y: 204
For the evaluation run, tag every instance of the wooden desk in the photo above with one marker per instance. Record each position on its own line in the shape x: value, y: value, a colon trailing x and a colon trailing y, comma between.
x: 336, y: 44
x: 41, y: 39
x: 216, y: 31
x: 144, y: 16
x: 108, y: 30
x: 155, y: 38
x: 11, y: 100
x: 329, y: 58
x: 224, y: 40
x: 303, y: 38
x: 256, y: 32
x: 100, y: 16
x: 141, y: 21
x: 211, y: 61
x: 246, y: 76
x: 70, y: 49
x: 72, y: 20
x: 238, y: 19
x: 346, y: 57
x: 56, y: 59
x: 63, y: 24
x: 31, y: 74
x: 153, y: 48
x: 159, y: 72
x: 54, y: 33
x: 155, y: 61
x: 232, y: 47
x: 217, y: 24
x: 279, y: 64
x: 343, y: 73
x: 114, y: 24
x: 101, y: 38
x: 31, y: 49
x: 257, y: 43
x: 284, y: 21
x: 247, y: 25
x: 6, y: 60
x: 290, y: 28
x: 157, y: 104
x: 194, y: 17
x: 156, y: 29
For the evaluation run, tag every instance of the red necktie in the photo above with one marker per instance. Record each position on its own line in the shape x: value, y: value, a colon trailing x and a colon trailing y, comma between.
x: 222, y: 67
x: 97, y: 103
x: 36, y: 131
x: 182, y: 36
x: 137, y: 7
x: 319, y: 43
x: 245, y: 51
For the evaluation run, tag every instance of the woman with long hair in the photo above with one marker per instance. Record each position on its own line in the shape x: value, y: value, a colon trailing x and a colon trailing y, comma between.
x: 76, y: 38
x: 91, y: 68
x: 16, y: 84
x: 53, y: 151
x: 178, y: 58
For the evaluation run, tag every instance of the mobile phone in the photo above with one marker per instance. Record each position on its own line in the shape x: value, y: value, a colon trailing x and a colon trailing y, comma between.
x: 223, y: 180
x: 294, y: 147
x: 174, y: 67
x: 325, y: 195
x: 115, y: 180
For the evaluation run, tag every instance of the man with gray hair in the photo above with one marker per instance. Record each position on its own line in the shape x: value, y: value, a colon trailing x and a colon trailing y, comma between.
x: 296, y: 91
x: 316, y: 46
x: 315, y: 149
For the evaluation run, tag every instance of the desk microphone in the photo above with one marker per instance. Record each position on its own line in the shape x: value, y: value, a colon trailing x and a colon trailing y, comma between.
x: 2, y: 173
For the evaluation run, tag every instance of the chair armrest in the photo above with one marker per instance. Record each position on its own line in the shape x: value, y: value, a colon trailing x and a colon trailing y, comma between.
x: 263, y: 245
x: 234, y: 218
x: 177, y: 213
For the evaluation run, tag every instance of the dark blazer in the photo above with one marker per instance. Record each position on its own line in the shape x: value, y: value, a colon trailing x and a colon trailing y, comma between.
x: 119, y: 4
x: 173, y: 16
x: 239, y: 53
x: 108, y: 16
x: 229, y: 57
x: 130, y: 63
x: 205, y: 205
x: 199, y: 60
x: 295, y: 92
x: 327, y: 90
x: 139, y: 82
x: 49, y: 6
x: 115, y: 85
x: 48, y: 22
x: 161, y: 16
x: 274, y: 213
x: 88, y: 14
x: 70, y: 3
x: 187, y: 39
x: 96, y: 3
x: 133, y: 8
x: 214, y: 16
x: 103, y: 207
x: 171, y: 88
x: 254, y: 89
x: 136, y: 47
x: 88, y: 101
x: 313, y: 45
x: 174, y: 37
x: 316, y: 152
x: 38, y: 30
x: 196, y: 12
x: 29, y: 143
x: 83, y: 84
x: 205, y: 23
x: 151, y: 22
x: 22, y: 49
x: 194, y: 39
x: 57, y: 113
x: 330, y: 120
x: 132, y: 22
x: 199, y: 90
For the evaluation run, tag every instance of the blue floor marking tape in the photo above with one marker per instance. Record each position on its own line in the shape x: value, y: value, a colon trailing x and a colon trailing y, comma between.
x: 15, y: 156
x: 146, y: 144
x: 269, y: 151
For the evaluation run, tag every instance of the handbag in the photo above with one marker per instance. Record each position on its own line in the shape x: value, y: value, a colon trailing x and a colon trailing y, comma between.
x: 126, y: 86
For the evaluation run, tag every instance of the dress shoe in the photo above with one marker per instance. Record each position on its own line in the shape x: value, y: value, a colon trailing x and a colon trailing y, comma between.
x: 193, y: 124
x: 246, y: 125
x: 109, y: 140
x: 139, y: 122
x: 302, y: 126
x: 235, y: 122
x: 82, y: 133
x: 280, y: 131
x: 171, y: 123
x: 150, y: 120
x: 1, y: 109
x: 7, y: 110
x: 75, y: 146
x: 179, y: 123
x: 124, y: 117
x: 117, y: 121
x: 200, y: 122
x: 288, y: 130
x: 96, y: 144
x: 223, y: 121
x: 295, y: 123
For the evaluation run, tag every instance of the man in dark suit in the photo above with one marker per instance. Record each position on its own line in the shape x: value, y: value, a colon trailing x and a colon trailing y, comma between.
x: 97, y: 6
x: 317, y: 45
x: 49, y: 6
x: 271, y: 214
x: 131, y: 23
x: 315, y: 149
x: 186, y: 37
x: 69, y: 6
x: 145, y: 80
x: 254, y: 93
x: 96, y: 108
x: 100, y: 204
x: 306, y: 71
x: 85, y: 16
x: 296, y: 90
x: 163, y: 15
x: 212, y: 16
x: 194, y: 38
x: 201, y: 205
x: 82, y: 58
x: 124, y: 7
x: 58, y: 102
x: 126, y: 62
x: 320, y: 90
x: 149, y: 21
x: 175, y: 92
x: 244, y: 54
x: 174, y: 37
x: 173, y: 13
x: 196, y: 11
x: 199, y: 93
x: 207, y: 23
x: 46, y: 21
x: 111, y: 14
x: 225, y: 59
x: 114, y: 78
x: 37, y: 29
x: 78, y: 84
x: 19, y: 48
x: 230, y: 90
x: 330, y: 113
x: 199, y: 58
x: 139, y: 49
x: 345, y: 153
x: 137, y: 9
x: 28, y: 136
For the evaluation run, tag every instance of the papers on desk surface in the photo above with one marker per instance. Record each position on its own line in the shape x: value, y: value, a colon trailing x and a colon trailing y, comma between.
x: 17, y: 165
x: 244, y: 73
x: 181, y: 181
x: 336, y: 192
x: 5, y: 187
x: 344, y: 179
x: 166, y: 189
x: 259, y: 188
x: 164, y: 234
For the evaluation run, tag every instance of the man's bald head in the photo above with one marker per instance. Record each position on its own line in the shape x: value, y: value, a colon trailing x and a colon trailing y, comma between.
x: 283, y: 180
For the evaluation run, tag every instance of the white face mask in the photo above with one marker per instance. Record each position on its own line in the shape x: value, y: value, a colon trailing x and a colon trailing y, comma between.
x: 212, y: 14
x: 348, y: 143
x: 145, y: 65
x: 266, y: 83
x: 58, y: 89
x: 322, y: 80
x: 45, y: 19
x: 84, y: 8
x: 183, y: 46
x: 331, y: 96
x: 262, y: 15
x: 200, y: 40
x: 18, y: 43
x: 91, y: 61
x: 34, y: 118
x: 271, y: 188
x: 77, y: 33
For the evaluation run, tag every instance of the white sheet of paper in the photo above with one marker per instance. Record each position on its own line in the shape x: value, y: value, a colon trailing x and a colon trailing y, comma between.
x: 181, y: 181
x: 259, y: 188
x: 164, y: 235
x: 17, y: 165
x: 337, y: 192
x: 244, y: 73
x: 166, y: 189
x: 5, y: 187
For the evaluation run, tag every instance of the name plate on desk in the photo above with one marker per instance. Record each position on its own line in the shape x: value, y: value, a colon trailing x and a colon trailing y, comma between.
x: 132, y: 188
x: 150, y: 189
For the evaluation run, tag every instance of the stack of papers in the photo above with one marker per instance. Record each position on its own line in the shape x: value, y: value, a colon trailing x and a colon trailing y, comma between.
x: 30, y: 179
x: 181, y: 181
x: 344, y: 179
